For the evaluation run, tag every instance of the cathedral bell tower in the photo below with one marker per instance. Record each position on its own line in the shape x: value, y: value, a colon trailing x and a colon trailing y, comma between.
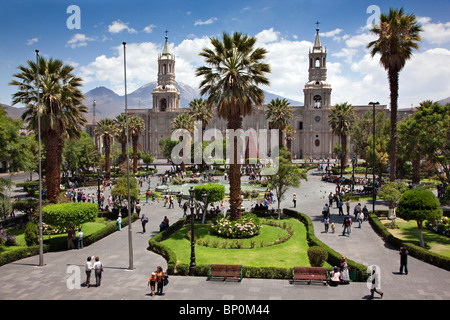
x: 166, y: 96
x: 317, y: 91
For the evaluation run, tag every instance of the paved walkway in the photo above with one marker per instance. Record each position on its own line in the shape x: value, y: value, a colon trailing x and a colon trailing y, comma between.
x: 24, y: 279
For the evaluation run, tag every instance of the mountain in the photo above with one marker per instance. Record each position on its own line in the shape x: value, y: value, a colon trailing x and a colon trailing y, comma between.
x: 444, y: 101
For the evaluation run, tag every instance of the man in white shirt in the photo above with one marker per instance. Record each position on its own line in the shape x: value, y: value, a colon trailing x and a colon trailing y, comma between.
x: 88, y: 269
x: 98, y: 269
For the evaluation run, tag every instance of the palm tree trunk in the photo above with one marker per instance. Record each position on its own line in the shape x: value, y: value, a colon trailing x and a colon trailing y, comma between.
x: 107, y: 141
x: 53, y: 161
x: 393, y: 87
x: 235, y: 122
x: 135, y: 153
x: 416, y: 170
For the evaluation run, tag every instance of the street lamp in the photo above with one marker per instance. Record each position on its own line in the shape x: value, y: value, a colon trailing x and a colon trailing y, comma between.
x: 353, y: 172
x: 205, y: 209
x: 192, y: 206
x: 373, y: 155
x: 41, y: 238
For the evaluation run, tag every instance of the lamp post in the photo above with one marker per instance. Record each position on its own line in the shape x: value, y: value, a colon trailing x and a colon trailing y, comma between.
x: 205, y: 209
x: 192, y: 206
x: 41, y: 239
x: 353, y: 172
x: 373, y: 155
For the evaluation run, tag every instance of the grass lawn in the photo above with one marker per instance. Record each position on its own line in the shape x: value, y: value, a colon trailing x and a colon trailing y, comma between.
x: 408, y: 232
x: 287, y: 254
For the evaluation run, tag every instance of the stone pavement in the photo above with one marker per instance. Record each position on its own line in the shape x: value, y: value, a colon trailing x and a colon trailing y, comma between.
x: 25, y: 280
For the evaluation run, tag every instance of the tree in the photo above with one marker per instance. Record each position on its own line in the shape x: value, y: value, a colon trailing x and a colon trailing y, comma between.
x: 288, y: 175
x: 120, y: 191
x: 147, y: 158
x: 107, y: 130
x: 136, y: 128
x: 81, y: 153
x: 279, y: 113
x: 340, y: 120
x: 199, y: 110
x: 419, y: 204
x: 60, y: 107
x: 230, y: 81
x: 121, y: 135
x: 69, y: 214
x: 398, y: 34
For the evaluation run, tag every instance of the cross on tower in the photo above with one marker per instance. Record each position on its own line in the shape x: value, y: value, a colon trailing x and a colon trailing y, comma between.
x: 317, y: 23
x: 166, y: 32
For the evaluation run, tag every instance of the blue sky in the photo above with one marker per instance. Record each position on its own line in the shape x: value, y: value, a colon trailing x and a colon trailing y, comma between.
x: 286, y: 28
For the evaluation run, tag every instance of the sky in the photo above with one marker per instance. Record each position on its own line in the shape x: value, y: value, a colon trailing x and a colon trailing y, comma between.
x: 89, y: 36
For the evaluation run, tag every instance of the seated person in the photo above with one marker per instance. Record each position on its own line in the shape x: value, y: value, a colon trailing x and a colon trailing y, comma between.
x: 334, y: 277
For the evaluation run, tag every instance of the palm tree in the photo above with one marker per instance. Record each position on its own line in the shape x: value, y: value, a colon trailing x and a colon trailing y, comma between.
x: 199, y: 110
x: 61, y: 111
x: 231, y: 83
x: 290, y: 131
x: 186, y: 122
x: 398, y: 35
x: 136, y: 128
x: 107, y: 129
x: 340, y: 121
x: 279, y: 112
x: 121, y: 135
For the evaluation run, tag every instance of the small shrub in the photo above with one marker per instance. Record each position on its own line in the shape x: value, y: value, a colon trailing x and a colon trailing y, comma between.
x: 317, y: 256
x: 31, y: 234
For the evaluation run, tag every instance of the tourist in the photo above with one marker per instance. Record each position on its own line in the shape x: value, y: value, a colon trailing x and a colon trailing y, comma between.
x: 365, y: 212
x: 80, y: 239
x: 98, y: 269
x: 335, y: 277
x: 375, y: 287
x: 294, y: 199
x: 340, y: 206
x: 403, y: 260
x: 185, y: 207
x: 70, y: 235
x: 345, y: 278
x: 330, y: 199
x: 160, y: 276
x: 326, y: 211
x: 357, y: 209
x: 222, y: 208
x: 171, y: 202
x: 347, y: 223
x: 347, y: 204
x: 152, y: 283
x: 119, y: 222
x: 333, y: 227
x: 326, y: 222
x: 144, y: 221
x: 360, y: 217
x: 88, y: 269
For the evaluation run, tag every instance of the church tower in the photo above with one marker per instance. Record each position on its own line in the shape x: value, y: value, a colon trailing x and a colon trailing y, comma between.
x: 166, y: 96
x: 317, y: 91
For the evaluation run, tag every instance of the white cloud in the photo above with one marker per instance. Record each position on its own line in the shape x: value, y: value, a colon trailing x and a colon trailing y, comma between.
x: 201, y: 22
x: 32, y: 40
x: 119, y: 26
x: 79, y: 40
x: 435, y: 33
x: 332, y: 34
x: 149, y: 28
x: 267, y: 36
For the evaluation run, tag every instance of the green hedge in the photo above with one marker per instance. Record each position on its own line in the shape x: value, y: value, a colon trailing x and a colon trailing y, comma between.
x: 415, y: 251
x: 334, y: 257
x: 69, y: 214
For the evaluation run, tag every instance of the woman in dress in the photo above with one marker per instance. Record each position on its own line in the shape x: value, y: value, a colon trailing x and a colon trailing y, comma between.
x: 345, y: 278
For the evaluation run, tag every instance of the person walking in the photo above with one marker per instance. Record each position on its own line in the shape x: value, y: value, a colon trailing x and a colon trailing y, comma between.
x: 294, y: 199
x: 340, y: 206
x: 152, y: 283
x: 88, y: 269
x: 326, y: 222
x: 98, y: 269
x: 185, y: 207
x: 119, y: 222
x: 360, y: 217
x: 80, y: 239
x: 346, y: 226
x: 144, y: 221
x: 403, y: 260
x: 365, y: 212
x: 375, y: 287
x: 160, y: 276
x: 171, y: 202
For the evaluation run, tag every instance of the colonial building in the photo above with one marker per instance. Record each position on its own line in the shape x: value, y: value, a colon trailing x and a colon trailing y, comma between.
x: 312, y: 139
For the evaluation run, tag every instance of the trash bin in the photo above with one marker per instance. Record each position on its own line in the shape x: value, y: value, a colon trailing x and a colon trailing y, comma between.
x: 353, y: 273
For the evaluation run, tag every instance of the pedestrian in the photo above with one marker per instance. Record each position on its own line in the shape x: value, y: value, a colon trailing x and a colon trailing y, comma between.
x: 80, y: 239
x: 345, y: 278
x: 326, y: 211
x: 294, y: 199
x: 119, y: 222
x: 346, y: 226
x: 347, y: 204
x: 330, y: 199
x: 98, y: 269
x: 147, y: 195
x: 333, y: 227
x: 70, y: 235
x: 160, y: 276
x: 185, y: 207
x: 144, y: 221
x: 357, y: 209
x: 360, y: 217
x: 375, y: 286
x: 403, y: 260
x: 365, y: 212
x: 340, y: 206
x: 222, y: 208
x: 138, y: 208
x: 88, y: 269
x: 171, y: 202
x: 326, y: 222
x: 152, y: 283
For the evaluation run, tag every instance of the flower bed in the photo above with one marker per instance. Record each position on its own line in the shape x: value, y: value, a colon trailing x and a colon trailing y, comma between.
x: 246, y: 227
x: 441, y: 226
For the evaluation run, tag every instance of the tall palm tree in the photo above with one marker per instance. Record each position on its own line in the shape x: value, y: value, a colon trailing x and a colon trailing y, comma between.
x: 340, y: 120
x: 61, y: 111
x: 121, y: 135
x: 107, y: 130
x: 398, y: 35
x: 231, y: 79
x: 186, y: 122
x: 136, y: 128
x: 279, y: 113
x: 289, y: 131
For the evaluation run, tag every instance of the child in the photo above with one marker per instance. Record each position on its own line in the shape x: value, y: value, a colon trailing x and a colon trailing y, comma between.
x: 152, y: 282
x: 333, y: 227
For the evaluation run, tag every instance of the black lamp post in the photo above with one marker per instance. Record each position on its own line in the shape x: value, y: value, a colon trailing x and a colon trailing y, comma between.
x: 192, y: 206
x: 353, y: 172
x: 205, y: 209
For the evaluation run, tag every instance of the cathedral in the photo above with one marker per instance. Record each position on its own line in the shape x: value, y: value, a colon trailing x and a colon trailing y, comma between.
x: 313, y: 137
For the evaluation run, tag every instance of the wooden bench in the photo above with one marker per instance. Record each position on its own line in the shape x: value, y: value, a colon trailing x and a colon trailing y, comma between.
x: 310, y: 274
x: 225, y: 271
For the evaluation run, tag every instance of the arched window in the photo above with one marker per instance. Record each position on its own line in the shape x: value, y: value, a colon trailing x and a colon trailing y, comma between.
x: 317, y: 102
x: 163, y: 105
x: 317, y: 63
x: 164, y: 69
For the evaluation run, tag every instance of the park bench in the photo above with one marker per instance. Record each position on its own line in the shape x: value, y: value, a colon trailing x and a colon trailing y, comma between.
x: 225, y: 271
x: 310, y: 274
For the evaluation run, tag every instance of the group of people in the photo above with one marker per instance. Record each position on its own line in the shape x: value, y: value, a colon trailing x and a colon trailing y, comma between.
x: 361, y: 214
x: 93, y: 263
x: 158, y: 280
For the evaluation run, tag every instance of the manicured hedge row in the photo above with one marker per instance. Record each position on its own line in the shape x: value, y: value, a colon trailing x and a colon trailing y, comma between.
x: 20, y: 253
x: 415, y: 251
x: 334, y: 257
